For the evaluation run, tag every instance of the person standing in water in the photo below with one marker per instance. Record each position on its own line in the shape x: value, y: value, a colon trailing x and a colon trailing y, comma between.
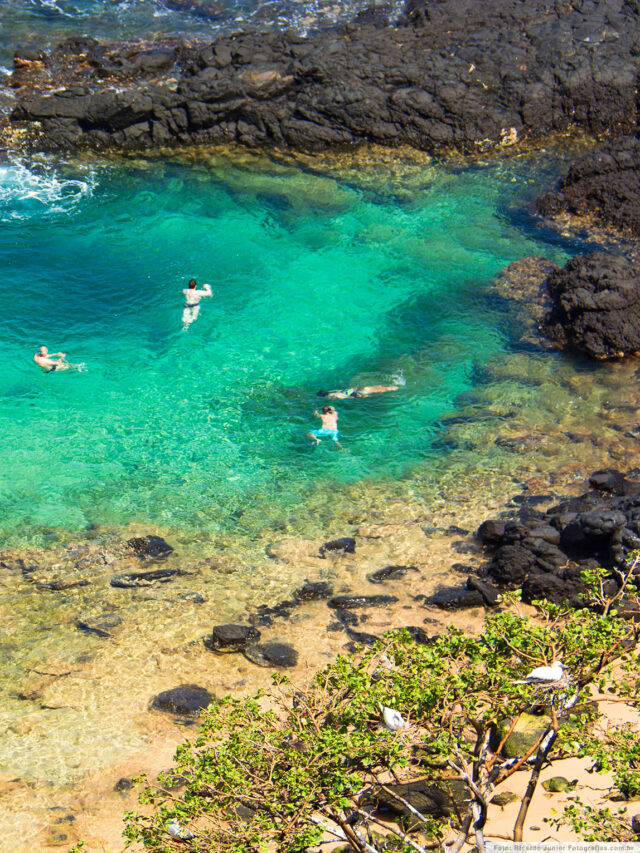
x: 48, y: 361
x: 192, y: 302
x: 329, y: 429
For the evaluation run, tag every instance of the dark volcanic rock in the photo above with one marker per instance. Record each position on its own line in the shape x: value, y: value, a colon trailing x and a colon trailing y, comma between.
x: 456, y: 73
x: 135, y: 579
x: 347, y: 544
x: 314, y: 591
x: 389, y: 573
x: 272, y: 654
x: 553, y: 588
x: 603, y: 187
x: 454, y: 598
x: 596, y: 302
x: 185, y: 700
x: 347, y: 602
x: 490, y: 594
x: 418, y: 635
x: 150, y: 547
x: 546, y: 557
x: 233, y: 638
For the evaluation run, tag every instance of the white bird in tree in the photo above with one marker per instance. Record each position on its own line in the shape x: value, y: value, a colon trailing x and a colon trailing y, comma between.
x: 544, y: 674
x: 178, y: 832
x: 393, y: 720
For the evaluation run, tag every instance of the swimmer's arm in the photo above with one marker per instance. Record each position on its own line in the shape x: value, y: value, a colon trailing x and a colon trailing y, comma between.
x: 206, y: 290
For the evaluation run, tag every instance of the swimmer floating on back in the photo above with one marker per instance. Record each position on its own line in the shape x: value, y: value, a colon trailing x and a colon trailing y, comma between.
x: 329, y: 429
x: 192, y: 302
x: 53, y: 361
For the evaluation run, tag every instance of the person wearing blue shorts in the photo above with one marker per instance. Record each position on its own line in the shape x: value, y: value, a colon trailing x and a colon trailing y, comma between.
x: 329, y: 429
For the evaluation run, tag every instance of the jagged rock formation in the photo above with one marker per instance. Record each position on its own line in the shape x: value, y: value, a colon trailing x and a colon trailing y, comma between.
x: 603, y: 188
x: 455, y: 74
x: 596, y: 305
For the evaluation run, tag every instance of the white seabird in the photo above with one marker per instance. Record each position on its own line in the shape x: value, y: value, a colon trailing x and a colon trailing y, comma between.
x: 178, y: 832
x: 393, y: 720
x: 544, y: 674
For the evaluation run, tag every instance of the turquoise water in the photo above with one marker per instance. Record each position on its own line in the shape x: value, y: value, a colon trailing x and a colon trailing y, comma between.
x: 319, y: 282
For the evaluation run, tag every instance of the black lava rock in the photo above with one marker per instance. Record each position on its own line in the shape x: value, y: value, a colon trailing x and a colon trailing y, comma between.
x: 489, y: 593
x: 453, y: 74
x: 123, y: 784
x: 596, y: 305
x: 389, y: 573
x: 346, y: 544
x: 453, y: 598
x: 348, y: 602
x: 418, y: 635
x: 150, y: 547
x: 233, y: 638
x: 510, y: 565
x: 314, y: 591
x: 138, y: 579
x: 491, y: 531
x: 272, y: 654
x: 185, y: 700
x: 603, y: 185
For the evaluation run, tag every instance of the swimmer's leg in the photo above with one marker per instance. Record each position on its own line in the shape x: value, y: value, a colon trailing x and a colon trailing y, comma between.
x: 313, y: 438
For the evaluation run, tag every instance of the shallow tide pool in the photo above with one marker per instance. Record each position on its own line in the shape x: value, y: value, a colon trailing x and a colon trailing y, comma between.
x: 319, y: 282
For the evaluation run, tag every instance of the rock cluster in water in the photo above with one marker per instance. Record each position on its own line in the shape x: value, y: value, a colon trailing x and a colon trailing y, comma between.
x: 451, y: 74
x: 545, y: 553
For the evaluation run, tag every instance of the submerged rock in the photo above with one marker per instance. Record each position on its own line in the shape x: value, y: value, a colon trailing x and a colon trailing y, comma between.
x: 102, y: 626
x: 137, y: 579
x: 347, y: 602
x: 185, y: 700
x: 347, y: 544
x: 272, y: 654
x: 314, y: 591
x: 149, y: 547
x: 389, y: 573
x: 233, y: 638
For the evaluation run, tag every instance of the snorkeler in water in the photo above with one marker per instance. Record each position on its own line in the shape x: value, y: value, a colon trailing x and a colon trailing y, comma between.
x: 329, y: 418
x: 192, y: 302
x: 51, y: 362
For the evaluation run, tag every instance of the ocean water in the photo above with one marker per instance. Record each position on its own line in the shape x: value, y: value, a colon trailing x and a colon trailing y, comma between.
x: 319, y: 281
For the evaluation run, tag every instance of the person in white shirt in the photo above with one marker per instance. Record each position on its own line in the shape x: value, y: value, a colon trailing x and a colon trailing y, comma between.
x: 192, y: 302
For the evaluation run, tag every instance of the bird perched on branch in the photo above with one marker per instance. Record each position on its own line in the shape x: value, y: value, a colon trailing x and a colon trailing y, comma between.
x: 544, y: 674
x: 393, y: 720
x: 178, y: 832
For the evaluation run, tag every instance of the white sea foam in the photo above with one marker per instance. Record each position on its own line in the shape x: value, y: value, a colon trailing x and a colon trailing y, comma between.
x: 35, y: 189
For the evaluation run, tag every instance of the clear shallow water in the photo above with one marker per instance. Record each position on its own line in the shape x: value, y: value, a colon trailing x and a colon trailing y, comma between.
x: 318, y: 283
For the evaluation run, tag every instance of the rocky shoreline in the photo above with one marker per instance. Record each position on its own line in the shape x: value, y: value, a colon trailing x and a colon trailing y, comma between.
x: 452, y: 74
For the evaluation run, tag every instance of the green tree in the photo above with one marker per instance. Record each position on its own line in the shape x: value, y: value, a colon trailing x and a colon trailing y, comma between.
x: 289, y: 767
